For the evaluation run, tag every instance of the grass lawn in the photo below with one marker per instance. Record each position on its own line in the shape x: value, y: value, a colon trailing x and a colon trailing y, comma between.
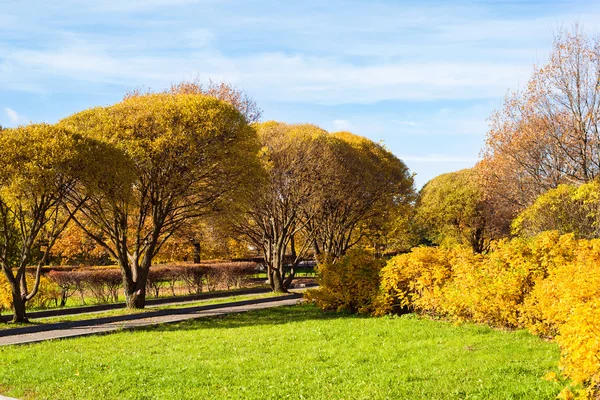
x: 126, y: 311
x: 288, y: 352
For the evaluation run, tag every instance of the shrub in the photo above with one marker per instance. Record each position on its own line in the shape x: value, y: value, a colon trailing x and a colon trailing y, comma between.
x: 103, y: 283
x: 48, y: 294
x: 549, y: 284
x: 413, y: 281
x: 579, y: 341
x: 67, y: 282
x: 351, y: 283
x: 572, y: 279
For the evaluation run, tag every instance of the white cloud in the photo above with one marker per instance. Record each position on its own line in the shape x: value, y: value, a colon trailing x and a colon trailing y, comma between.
x: 341, y: 125
x: 200, y: 38
x: 273, y: 76
x: 439, y: 158
x: 13, y: 116
x: 409, y: 123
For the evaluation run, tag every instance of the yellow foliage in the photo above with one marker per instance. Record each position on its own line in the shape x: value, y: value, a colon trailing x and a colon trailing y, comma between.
x: 413, y: 281
x: 47, y: 295
x: 579, y: 340
x: 573, y: 278
x: 549, y: 284
x: 348, y: 284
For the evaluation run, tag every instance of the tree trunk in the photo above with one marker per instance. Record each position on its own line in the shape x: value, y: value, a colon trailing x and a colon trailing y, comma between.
x: 290, y: 278
x: 197, y: 249
x: 277, y: 281
x: 135, y: 291
x: 136, y: 299
x: 18, y: 304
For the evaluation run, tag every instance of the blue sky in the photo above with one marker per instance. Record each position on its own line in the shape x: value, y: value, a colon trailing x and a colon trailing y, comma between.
x: 421, y: 76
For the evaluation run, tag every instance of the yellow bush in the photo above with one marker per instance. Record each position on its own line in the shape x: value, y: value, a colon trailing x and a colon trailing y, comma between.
x: 47, y: 295
x: 549, y: 284
x: 348, y: 284
x: 413, y: 281
x: 492, y: 288
x: 579, y: 341
x: 461, y: 285
x: 573, y: 279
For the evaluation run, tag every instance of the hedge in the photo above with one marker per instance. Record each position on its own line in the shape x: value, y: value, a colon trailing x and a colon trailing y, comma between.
x: 549, y: 284
x: 105, y: 283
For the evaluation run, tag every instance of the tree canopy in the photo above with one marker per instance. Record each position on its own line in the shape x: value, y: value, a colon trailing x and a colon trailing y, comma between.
x: 451, y: 209
x: 39, y: 166
x: 189, y: 155
x: 548, y: 133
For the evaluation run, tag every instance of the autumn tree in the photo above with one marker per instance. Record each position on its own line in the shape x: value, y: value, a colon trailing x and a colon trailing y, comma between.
x: 39, y: 166
x: 293, y: 157
x: 190, y: 155
x: 566, y: 209
x: 451, y: 210
x: 363, y: 187
x: 204, y: 239
x: 548, y: 133
x: 238, y: 98
x: 75, y: 247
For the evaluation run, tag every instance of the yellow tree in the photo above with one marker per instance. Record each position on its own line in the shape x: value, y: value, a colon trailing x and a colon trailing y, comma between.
x: 293, y: 157
x: 190, y: 155
x: 222, y: 91
x: 362, y: 186
x: 451, y: 209
x: 39, y: 166
x: 566, y: 209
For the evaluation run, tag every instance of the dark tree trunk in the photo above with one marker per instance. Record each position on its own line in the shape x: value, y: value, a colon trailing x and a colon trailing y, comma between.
x: 197, y: 248
x: 275, y: 274
x: 135, y: 291
x: 19, y: 314
x: 289, y: 279
x: 63, y: 297
x: 277, y: 281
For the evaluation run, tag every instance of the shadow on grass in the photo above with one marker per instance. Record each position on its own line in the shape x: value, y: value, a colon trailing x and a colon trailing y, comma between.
x: 271, y: 316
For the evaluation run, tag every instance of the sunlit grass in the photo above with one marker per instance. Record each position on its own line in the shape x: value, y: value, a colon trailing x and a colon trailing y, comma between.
x: 287, y: 352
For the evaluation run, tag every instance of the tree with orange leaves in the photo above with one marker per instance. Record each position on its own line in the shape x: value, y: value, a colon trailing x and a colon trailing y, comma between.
x: 548, y: 133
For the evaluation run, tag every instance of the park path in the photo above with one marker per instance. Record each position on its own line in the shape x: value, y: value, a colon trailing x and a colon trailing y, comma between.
x: 131, y: 321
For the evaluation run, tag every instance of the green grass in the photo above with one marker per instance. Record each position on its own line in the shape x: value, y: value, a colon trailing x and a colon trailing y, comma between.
x: 125, y: 311
x: 288, y: 352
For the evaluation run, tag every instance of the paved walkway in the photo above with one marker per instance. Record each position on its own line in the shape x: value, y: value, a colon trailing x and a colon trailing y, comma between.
x: 62, y: 330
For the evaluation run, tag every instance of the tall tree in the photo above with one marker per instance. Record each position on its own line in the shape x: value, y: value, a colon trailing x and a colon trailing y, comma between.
x: 548, y: 133
x: 293, y: 157
x: 190, y: 155
x: 39, y: 165
x: 363, y: 184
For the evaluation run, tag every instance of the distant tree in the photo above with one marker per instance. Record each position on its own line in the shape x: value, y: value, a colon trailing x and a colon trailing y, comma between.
x: 548, y: 133
x: 189, y: 154
x: 363, y: 187
x: 204, y: 239
x: 293, y: 157
x: 75, y: 247
x: 566, y: 209
x: 452, y: 209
